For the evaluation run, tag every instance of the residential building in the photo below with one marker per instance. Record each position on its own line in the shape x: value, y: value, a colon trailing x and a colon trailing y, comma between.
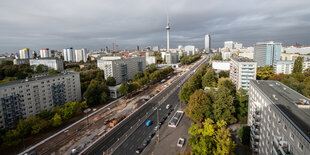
x: 20, y: 61
x: 266, y: 53
x: 55, y: 64
x: 225, y: 55
x: 249, y: 55
x: 122, y: 69
x: 149, y: 58
x: 189, y: 50
x: 68, y: 55
x: 288, y: 56
x: 45, y: 53
x: 25, y: 53
x: 238, y: 45
x: 286, y: 67
x: 221, y: 65
x: 297, y: 50
x: 80, y: 55
x: 23, y: 98
x: 155, y: 48
x: 229, y: 44
x: 242, y: 71
x: 172, y: 58
x: 279, y: 119
x: 207, y: 43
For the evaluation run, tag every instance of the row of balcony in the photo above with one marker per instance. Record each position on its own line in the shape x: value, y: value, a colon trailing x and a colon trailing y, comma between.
x: 281, y: 146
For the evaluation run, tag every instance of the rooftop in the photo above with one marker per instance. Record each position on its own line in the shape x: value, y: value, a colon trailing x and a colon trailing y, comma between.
x: 242, y: 59
x: 268, y: 42
x: 294, y: 106
x: 10, y: 83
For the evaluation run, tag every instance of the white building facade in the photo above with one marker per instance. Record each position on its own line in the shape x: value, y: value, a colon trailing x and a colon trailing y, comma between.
x: 50, y: 63
x: 45, y: 53
x: 286, y: 67
x: 80, y: 55
x: 221, y: 65
x: 207, y: 43
x: 68, y: 55
x: 25, y: 53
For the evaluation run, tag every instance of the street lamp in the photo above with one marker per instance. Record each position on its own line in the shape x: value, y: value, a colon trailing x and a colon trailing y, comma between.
x: 158, y: 123
x: 86, y: 112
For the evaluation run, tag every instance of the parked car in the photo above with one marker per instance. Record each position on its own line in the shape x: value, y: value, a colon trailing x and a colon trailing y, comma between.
x: 180, y: 142
x: 146, y: 142
x: 139, y: 150
x: 148, y: 123
x: 151, y: 135
x: 168, y: 106
x: 157, y: 127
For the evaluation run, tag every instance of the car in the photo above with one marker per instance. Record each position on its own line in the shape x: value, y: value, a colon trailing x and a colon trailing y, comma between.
x: 162, y: 81
x: 139, y: 150
x: 169, y: 77
x: 148, y: 123
x: 168, y: 106
x: 180, y: 142
x: 157, y: 127
x: 146, y: 142
x: 151, y: 135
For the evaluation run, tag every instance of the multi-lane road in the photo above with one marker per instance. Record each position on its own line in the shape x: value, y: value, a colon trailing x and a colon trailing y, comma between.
x: 136, y: 138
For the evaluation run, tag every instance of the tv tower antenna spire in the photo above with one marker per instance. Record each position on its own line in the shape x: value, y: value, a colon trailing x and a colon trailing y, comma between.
x: 168, y: 34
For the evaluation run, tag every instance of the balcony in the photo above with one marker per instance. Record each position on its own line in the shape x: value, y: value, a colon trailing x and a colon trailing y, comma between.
x: 281, y: 146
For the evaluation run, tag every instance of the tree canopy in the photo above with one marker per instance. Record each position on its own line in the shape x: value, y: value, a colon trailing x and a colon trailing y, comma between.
x: 209, y: 79
x: 264, y: 73
x: 111, y: 81
x: 298, y: 65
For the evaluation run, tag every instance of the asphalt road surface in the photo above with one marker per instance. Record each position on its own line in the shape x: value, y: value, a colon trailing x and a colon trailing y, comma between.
x: 136, y: 139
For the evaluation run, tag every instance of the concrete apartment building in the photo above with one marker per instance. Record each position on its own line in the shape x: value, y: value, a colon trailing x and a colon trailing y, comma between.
x: 68, y: 54
x: 50, y: 63
x: 25, y: 53
x: 80, y: 55
x: 172, y: 58
x: 23, y: 98
x: 266, y: 53
x: 286, y: 67
x: 279, y: 119
x: 122, y: 69
x: 45, y: 53
x: 242, y: 71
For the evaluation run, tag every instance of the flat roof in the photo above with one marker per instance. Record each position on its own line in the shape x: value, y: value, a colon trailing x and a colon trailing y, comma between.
x: 242, y: 59
x: 10, y: 83
x: 288, y: 102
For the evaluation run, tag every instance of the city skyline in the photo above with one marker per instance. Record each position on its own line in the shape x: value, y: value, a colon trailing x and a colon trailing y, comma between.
x: 94, y: 25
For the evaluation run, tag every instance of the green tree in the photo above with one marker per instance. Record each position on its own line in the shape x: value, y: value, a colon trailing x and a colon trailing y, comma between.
x: 104, y: 97
x: 56, y: 120
x: 264, y: 73
x: 227, y: 83
x: 41, y: 68
x: 242, y: 107
x: 39, y: 126
x: 224, y: 74
x: 223, y: 106
x: 244, y: 134
x: 209, y: 79
x: 211, y: 138
x: 123, y: 89
x: 199, y: 106
x: 6, y: 62
x: 94, y: 91
x: 111, y: 81
x: 11, y: 138
x: 52, y: 72
x: 138, y: 76
x: 217, y: 57
x: 298, y: 65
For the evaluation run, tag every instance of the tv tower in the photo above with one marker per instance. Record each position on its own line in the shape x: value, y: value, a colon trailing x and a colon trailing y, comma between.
x: 168, y: 34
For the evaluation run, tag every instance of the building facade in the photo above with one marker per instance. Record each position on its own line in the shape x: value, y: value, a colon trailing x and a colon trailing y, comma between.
x: 122, y: 69
x: 80, y: 55
x: 279, y: 119
x: 266, y: 53
x: 207, y: 43
x: 242, y: 71
x: 286, y: 67
x: 172, y: 58
x: 68, y: 54
x: 221, y: 65
x: 23, y: 98
x: 189, y: 50
x: 45, y: 53
x: 50, y: 63
x: 25, y: 53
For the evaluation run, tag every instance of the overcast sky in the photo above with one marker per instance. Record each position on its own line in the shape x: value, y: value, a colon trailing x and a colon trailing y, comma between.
x: 94, y: 24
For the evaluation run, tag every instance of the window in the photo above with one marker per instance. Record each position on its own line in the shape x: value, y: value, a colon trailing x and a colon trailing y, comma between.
x: 300, y: 146
x: 292, y: 136
x: 284, y: 127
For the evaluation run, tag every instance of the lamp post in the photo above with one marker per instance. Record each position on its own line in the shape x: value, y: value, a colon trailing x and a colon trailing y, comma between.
x: 86, y: 112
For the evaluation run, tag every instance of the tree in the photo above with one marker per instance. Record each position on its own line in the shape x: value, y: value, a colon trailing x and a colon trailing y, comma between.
x: 123, y: 89
x: 94, y: 91
x: 217, y: 57
x: 11, y: 138
x: 209, y: 79
x: 223, y: 106
x: 138, y: 76
x: 6, y: 62
x: 244, y: 134
x: 56, y: 120
x: 298, y: 65
x: 199, y: 106
x: 242, y: 108
x: 41, y: 68
x: 264, y: 73
x: 224, y: 74
x: 227, y: 83
x: 104, y: 97
x: 52, y: 72
x: 39, y: 126
x: 111, y: 81
x: 211, y: 138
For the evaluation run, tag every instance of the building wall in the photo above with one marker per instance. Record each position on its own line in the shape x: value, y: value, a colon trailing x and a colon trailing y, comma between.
x: 247, y: 55
x: 269, y: 126
x: 68, y: 54
x: 80, y: 55
x: 21, y: 99
x: 45, y: 53
x: 190, y: 50
x: 221, y: 65
x: 50, y: 63
x: 286, y: 67
x: 172, y: 58
x: 267, y: 53
x: 122, y: 69
x: 25, y: 54
x: 300, y: 50
x: 207, y: 43
x: 288, y: 56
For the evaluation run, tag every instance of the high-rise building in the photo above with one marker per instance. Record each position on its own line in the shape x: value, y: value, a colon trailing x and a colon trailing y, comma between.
x: 55, y: 64
x: 238, y: 45
x: 242, y: 71
x: 25, y: 53
x: 189, y: 50
x: 45, y: 53
x: 286, y: 67
x: 23, y: 98
x: 68, y: 54
x: 207, y: 43
x: 172, y: 58
x: 266, y: 53
x: 80, y: 55
x: 229, y: 44
x: 168, y: 35
x: 121, y: 69
x: 279, y: 119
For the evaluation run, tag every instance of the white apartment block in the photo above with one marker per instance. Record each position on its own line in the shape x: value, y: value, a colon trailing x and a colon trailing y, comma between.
x: 288, y: 56
x: 80, y: 55
x: 50, y: 63
x: 207, y: 43
x: 286, y: 67
x: 68, y: 55
x: 23, y: 98
x: 221, y: 65
x: 25, y: 53
x: 279, y: 119
x: 122, y: 69
x: 172, y: 58
x: 189, y: 50
x: 45, y: 53
x: 242, y: 71
x: 225, y: 55
x: 300, y: 50
x: 229, y: 44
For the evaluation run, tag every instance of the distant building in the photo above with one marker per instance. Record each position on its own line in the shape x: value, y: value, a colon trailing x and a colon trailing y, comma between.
x: 25, y: 53
x: 229, y: 44
x: 189, y: 50
x: 68, y: 55
x: 238, y: 45
x: 50, y: 63
x: 122, y: 69
x: 286, y: 67
x: 221, y: 65
x: 149, y: 58
x: 279, y: 119
x: 242, y: 71
x: 295, y: 50
x: 20, y: 61
x: 172, y: 58
x: 225, y: 55
x: 23, y: 98
x: 80, y: 55
x: 266, y: 53
x: 45, y: 53
x: 155, y: 48
x: 247, y: 55
x: 288, y: 56
x: 207, y: 43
